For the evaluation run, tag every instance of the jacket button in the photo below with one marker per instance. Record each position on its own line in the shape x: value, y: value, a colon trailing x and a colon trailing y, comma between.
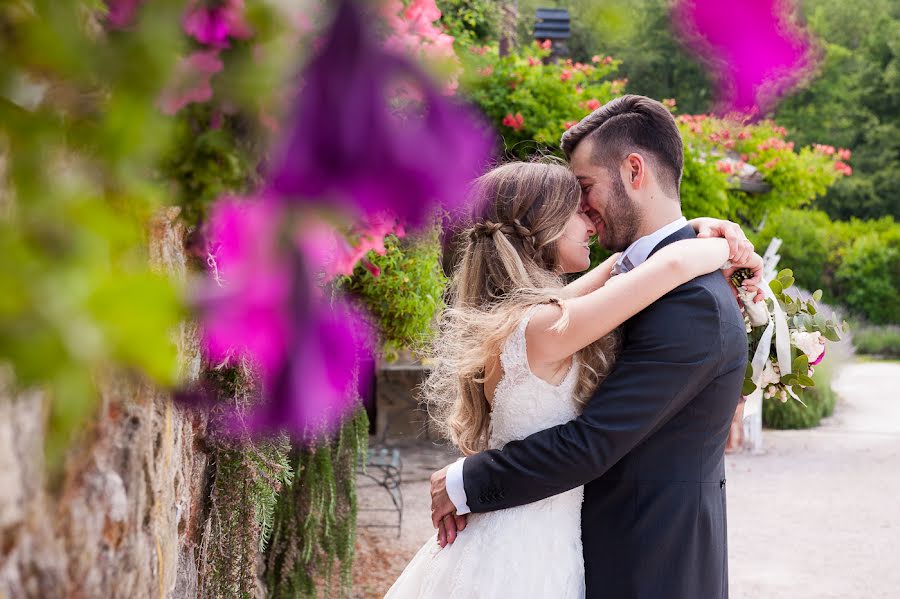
x: 722, y: 484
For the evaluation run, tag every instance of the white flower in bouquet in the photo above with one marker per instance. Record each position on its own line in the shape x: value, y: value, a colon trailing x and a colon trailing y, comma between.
x: 811, y: 344
x: 770, y: 375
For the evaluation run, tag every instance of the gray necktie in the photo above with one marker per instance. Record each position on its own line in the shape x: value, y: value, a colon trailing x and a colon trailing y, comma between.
x: 623, y: 265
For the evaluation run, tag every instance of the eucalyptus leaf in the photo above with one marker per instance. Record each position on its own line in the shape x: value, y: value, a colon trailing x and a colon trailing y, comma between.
x: 748, y: 388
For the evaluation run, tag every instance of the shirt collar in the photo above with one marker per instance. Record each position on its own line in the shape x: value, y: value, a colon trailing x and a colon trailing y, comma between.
x: 638, y: 251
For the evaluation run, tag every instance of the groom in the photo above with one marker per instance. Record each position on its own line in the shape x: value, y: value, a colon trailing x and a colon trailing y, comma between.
x: 649, y: 445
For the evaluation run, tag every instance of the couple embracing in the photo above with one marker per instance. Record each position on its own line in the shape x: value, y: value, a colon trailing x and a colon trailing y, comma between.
x: 593, y: 415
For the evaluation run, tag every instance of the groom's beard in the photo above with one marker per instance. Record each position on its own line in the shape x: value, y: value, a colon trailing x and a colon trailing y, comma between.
x: 621, y: 219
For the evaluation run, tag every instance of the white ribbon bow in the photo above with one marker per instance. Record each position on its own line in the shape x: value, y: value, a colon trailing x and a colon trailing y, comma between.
x: 777, y: 326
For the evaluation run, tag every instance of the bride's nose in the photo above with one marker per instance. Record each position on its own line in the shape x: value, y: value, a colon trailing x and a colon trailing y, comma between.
x: 591, y: 229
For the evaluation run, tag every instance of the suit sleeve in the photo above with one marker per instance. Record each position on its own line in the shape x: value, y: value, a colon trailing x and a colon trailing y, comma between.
x: 669, y: 357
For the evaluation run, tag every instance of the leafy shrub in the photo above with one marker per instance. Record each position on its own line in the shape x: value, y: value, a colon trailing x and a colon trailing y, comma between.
x: 471, y: 21
x: 810, y: 245
x: 880, y: 340
x: 704, y: 188
x: 869, y: 278
x: 796, y: 177
x: 404, y: 293
x: 856, y: 263
x: 529, y: 101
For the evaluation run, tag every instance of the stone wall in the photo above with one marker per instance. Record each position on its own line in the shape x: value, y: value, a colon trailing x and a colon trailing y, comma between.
x: 126, y: 521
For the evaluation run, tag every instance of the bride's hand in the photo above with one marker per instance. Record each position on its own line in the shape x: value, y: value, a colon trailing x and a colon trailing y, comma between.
x: 754, y: 263
x: 739, y: 247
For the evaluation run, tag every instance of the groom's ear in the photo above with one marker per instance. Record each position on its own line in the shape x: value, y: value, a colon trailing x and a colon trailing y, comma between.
x: 635, y: 168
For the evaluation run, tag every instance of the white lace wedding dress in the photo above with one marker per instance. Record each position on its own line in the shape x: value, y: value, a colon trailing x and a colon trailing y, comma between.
x: 528, y: 552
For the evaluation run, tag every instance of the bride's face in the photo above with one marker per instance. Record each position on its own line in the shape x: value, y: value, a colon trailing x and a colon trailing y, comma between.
x: 573, y: 248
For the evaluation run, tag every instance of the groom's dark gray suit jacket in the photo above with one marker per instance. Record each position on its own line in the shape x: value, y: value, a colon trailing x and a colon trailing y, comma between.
x: 650, y: 449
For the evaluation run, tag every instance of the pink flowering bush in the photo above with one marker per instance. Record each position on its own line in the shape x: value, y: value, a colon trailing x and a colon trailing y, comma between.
x: 727, y: 150
x: 414, y: 31
x: 529, y: 101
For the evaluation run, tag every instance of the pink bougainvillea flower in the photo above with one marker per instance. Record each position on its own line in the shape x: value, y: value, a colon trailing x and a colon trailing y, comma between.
x: 348, y: 146
x: 213, y: 25
x: 245, y: 313
x: 415, y: 34
x: 121, y: 13
x: 754, y: 47
x: 192, y: 81
x: 264, y: 305
x: 331, y: 253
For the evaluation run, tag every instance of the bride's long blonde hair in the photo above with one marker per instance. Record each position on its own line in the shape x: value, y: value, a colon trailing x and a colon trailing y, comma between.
x: 507, y: 262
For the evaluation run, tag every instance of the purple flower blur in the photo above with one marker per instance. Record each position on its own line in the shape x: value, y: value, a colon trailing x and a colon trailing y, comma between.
x: 120, y: 13
x: 213, y: 26
x: 755, y: 50
x: 348, y: 145
x: 263, y: 305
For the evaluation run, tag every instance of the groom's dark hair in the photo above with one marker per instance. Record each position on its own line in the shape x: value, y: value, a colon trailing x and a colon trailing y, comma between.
x: 632, y: 124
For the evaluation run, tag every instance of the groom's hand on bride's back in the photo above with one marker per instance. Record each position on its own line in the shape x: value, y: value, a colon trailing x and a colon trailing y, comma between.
x: 443, y: 512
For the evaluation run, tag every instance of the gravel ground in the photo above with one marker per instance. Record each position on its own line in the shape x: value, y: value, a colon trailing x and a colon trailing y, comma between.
x: 817, y: 516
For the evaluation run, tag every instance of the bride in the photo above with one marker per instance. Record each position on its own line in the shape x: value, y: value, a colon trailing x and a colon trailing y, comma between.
x: 518, y: 351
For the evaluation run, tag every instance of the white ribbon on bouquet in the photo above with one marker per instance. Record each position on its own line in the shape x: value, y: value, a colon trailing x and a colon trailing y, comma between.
x: 778, y: 328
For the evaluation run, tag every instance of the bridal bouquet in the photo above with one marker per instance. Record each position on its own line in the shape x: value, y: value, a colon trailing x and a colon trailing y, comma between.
x: 787, y: 337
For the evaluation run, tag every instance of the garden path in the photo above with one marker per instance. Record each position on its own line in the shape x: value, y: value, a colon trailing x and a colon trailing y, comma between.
x: 815, y: 517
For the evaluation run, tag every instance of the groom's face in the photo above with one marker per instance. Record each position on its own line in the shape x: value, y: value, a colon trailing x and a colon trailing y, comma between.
x: 605, y: 200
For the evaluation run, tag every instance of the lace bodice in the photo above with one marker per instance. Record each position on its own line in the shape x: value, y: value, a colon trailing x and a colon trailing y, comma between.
x: 523, y: 403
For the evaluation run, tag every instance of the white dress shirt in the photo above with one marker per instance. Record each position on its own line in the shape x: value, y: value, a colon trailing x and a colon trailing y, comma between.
x: 636, y: 254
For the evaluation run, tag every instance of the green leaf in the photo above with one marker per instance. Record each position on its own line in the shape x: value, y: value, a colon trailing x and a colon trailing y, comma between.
x: 801, y: 364
x: 806, y: 381
x: 789, y: 379
x: 787, y: 272
x: 776, y: 287
x: 831, y: 334
x: 817, y: 295
x: 786, y: 282
x: 749, y: 372
x: 748, y: 388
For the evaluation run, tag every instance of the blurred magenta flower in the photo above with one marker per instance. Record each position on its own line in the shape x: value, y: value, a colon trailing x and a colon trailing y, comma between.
x: 246, y: 309
x: 192, y: 81
x: 349, y: 145
x: 264, y: 305
x: 755, y: 49
x: 120, y: 13
x: 213, y: 25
